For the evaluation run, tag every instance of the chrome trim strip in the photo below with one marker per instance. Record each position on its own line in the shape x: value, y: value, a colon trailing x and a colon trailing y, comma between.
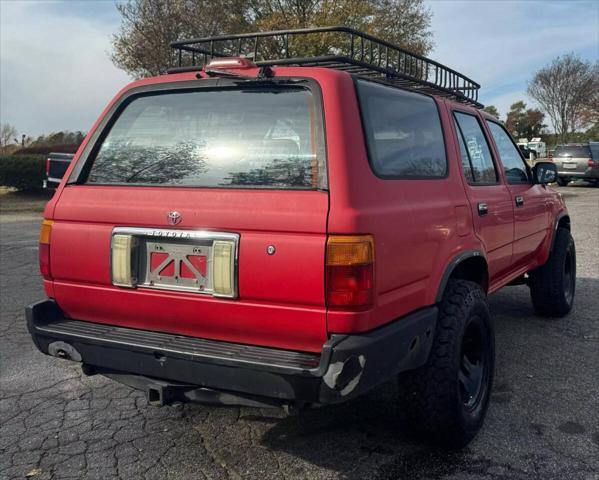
x: 190, y: 235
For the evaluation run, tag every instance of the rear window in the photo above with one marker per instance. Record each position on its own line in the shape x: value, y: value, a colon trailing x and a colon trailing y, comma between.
x: 403, y: 132
x: 244, y: 138
x: 573, y: 151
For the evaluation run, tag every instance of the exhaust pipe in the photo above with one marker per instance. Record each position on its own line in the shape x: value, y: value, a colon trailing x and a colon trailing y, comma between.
x: 64, y: 350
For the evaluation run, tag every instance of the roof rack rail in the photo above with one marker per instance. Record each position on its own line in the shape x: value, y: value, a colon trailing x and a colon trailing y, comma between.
x: 340, y: 48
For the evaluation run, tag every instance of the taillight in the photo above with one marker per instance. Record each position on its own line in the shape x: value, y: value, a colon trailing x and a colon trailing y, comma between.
x: 44, y: 249
x: 591, y: 163
x: 47, y: 167
x: 122, y: 260
x: 350, y: 270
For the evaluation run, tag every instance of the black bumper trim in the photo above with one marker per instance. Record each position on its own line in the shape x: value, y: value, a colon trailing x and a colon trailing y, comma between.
x: 347, y: 366
x: 209, y: 351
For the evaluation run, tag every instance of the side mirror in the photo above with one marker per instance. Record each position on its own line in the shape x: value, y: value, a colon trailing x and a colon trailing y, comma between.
x: 544, y: 172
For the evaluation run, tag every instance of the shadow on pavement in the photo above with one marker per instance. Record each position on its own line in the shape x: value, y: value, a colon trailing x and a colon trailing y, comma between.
x: 363, y: 439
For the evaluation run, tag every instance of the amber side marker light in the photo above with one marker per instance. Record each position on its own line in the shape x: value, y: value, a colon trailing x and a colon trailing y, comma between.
x: 350, y: 270
x: 44, y: 249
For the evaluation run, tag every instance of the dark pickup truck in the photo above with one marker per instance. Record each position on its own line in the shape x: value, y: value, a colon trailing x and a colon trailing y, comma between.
x: 56, y: 166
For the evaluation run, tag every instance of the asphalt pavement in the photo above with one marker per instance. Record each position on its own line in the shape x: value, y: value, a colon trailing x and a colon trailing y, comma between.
x: 543, y: 421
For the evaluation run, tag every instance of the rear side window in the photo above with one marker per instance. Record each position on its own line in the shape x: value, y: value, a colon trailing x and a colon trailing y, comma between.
x: 479, y: 167
x: 403, y: 132
x: 513, y: 165
x: 574, y: 151
x: 243, y: 138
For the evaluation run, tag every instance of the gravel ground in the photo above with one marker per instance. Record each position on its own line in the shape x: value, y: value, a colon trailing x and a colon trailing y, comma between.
x: 543, y: 421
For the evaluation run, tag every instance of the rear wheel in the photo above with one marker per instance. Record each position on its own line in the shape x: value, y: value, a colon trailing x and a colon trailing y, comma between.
x: 552, y: 286
x: 446, y: 400
x: 563, y: 181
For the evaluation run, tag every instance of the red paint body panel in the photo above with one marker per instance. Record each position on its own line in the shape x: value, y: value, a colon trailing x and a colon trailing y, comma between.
x: 256, y: 323
x: 419, y: 227
x: 294, y: 221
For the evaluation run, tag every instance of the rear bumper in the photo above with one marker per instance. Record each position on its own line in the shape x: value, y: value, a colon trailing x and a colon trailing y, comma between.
x: 348, y: 365
x: 590, y: 173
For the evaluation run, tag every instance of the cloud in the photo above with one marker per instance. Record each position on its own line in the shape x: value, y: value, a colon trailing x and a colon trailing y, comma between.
x: 56, y: 73
x: 500, y: 44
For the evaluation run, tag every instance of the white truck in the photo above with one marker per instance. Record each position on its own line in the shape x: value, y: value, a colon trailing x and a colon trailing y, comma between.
x: 539, y: 147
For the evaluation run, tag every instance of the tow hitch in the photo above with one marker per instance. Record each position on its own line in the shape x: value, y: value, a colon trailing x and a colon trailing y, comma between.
x: 160, y: 393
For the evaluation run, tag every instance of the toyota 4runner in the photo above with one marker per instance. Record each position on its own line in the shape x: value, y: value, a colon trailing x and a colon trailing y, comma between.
x: 266, y: 226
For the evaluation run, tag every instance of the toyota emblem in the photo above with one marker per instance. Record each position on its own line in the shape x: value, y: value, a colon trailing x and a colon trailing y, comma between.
x: 174, y: 217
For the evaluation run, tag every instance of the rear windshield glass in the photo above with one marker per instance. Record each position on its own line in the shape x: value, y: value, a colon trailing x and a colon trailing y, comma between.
x: 258, y: 137
x: 573, y: 151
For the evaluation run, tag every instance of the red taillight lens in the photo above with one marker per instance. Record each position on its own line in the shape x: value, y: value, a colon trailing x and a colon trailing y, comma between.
x: 592, y: 163
x: 45, y: 261
x: 350, y: 271
x: 47, y: 167
x: 349, y: 286
x: 44, y: 249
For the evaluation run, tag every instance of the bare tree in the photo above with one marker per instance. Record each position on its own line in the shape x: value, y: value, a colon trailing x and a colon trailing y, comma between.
x: 7, y: 133
x: 568, y: 91
x: 141, y: 47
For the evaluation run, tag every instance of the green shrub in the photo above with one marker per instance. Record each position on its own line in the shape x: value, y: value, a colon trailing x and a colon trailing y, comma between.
x: 25, y: 173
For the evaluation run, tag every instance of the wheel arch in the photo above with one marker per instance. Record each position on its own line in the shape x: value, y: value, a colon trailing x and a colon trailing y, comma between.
x: 562, y: 221
x: 467, y: 265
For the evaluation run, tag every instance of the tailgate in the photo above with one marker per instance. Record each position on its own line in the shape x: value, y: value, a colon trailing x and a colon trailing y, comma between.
x: 280, y: 298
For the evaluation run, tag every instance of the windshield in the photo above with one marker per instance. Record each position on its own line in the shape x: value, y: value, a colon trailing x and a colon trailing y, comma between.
x: 254, y: 137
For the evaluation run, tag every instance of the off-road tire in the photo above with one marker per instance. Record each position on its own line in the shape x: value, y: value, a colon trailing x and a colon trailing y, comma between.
x: 553, y: 285
x: 563, y: 181
x: 431, y: 397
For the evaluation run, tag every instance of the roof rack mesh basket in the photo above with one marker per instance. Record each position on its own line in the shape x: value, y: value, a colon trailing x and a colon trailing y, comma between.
x: 339, y: 48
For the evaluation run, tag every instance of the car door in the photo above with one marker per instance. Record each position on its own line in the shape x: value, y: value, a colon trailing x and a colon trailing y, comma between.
x: 489, y: 197
x: 531, y: 210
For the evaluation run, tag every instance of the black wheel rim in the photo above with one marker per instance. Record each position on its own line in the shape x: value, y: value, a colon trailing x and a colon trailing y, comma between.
x: 474, y: 364
x: 569, y: 274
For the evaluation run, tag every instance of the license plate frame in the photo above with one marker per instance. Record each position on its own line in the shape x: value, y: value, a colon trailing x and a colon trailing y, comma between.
x: 569, y: 165
x: 176, y: 257
x: 178, y: 246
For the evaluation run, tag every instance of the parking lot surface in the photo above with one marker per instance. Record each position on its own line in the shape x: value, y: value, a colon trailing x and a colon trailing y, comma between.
x: 543, y: 421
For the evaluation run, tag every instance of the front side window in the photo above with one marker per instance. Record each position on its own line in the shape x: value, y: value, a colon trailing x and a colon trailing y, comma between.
x: 513, y: 165
x: 479, y: 163
x: 244, y: 138
x: 403, y: 132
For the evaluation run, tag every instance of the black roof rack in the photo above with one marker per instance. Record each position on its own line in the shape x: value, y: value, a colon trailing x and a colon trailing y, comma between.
x: 340, y: 48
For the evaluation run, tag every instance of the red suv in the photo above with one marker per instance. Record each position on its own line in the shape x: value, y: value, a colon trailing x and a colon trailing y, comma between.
x: 296, y: 230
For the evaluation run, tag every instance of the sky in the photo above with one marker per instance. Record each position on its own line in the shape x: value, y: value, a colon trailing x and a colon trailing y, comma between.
x: 56, y: 73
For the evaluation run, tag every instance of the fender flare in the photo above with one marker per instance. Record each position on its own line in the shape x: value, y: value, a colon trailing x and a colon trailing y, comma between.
x: 556, y: 226
x: 454, y: 262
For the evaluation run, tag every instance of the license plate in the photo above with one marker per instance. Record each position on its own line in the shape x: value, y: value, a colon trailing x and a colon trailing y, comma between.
x: 177, y: 266
x: 184, y: 260
x: 569, y: 165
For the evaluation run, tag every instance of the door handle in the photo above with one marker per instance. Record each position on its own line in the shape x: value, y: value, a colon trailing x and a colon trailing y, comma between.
x: 519, y: 200
x: 483, y: 209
